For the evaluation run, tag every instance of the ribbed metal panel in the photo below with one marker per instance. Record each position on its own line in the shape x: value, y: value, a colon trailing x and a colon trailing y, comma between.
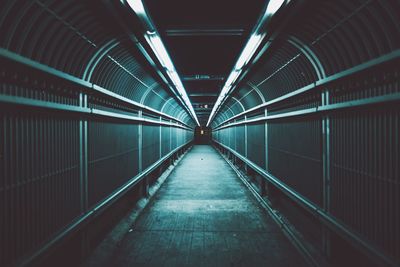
x: 174, y: 138
x: 295, y: 156
x: 112, y: 157
x: 39, y: 180
x: 366, y: 174
x: 151, y: 145
x: 62, y: 152
x: 256, y: 143
x: 240, y: 141
x: 166, y: 140
x: 232, y: 138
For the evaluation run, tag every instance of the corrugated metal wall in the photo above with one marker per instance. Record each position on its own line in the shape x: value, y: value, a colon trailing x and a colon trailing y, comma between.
x: 40, y: 188
x: 363, y: 153
x: 112, y: 157
x: 365, y: 174
x: 332, y: 114
x: 58, y: 163
x: 75, y: 122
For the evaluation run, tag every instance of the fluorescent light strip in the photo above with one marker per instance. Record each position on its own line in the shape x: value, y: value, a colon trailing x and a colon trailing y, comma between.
x: 136, y: 6
x: 273, y: 6
x: 156, y: 44
x: 158, y: 48
x: 247, y: 53
x: 249, y: 50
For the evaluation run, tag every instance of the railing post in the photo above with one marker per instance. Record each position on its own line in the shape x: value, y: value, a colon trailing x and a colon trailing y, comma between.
x: 83, y: 155
x: 83, y: 172
x: 160, y: 138
x: 171, y: 159
x: 263, y: 182
x: 245, y: 142
x: 140, y: 142
x: 326, y: 240
x: 266, y: 142
x: 145, y: 184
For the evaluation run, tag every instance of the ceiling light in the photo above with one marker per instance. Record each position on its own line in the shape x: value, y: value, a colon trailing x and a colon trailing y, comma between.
x: 232, y: 77
x: 137, y: 6
x: 249, y: 50
x: 159, y: 49
x: 156, y: 44
x: 274, y: 6
x: 247, y: 53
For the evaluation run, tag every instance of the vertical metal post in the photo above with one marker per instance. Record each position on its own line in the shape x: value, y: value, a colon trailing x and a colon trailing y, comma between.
x: 245, y: 142
x: 140, y: 142
x: 83, y: 155
x: 266, y: 142
x: 170, y: 137
x: 145, y: 184
x: 160, y: 139
x: 83, y: 171
x: 236, y: 146
x: 263, y: 182
x: 326, y: 172
x: 171, y: 161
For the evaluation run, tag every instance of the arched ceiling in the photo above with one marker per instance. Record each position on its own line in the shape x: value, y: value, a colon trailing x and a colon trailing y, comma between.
x: 81, y: 38
x: 100, y: 42
x: 321, y: 39
x: 204, y: 40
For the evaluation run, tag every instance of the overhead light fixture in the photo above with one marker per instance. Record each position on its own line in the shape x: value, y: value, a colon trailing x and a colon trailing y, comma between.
x: 247, y: 53
x: 137, y: 6
x: 249, y: 50
x: 156, y: 44
x: 273, y: 6
x: 158, y: 48
x: 232, y: 77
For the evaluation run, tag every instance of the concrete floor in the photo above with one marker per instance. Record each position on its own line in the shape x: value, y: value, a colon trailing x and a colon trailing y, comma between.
x: 204, y: 216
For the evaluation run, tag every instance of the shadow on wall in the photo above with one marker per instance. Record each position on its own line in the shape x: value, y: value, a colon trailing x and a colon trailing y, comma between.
x: 202, y: 135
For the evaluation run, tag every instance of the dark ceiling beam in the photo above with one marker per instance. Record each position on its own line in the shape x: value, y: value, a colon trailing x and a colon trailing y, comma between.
x: 200, y: 77
x: 204, y: 32
x: 204, y: 103
x: 204, y: 95
x: 203, y: 109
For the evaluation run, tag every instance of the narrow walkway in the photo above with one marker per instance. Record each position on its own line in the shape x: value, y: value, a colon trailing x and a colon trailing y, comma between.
x: 204, y: 216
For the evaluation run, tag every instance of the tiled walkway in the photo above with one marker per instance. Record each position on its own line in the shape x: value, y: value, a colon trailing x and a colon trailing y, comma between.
x: 204, y: 216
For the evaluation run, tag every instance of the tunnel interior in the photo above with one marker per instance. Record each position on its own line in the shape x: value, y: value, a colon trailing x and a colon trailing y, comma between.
x: 100, y: 99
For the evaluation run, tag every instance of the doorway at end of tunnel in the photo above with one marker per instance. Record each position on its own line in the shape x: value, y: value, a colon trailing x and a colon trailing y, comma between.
x: 202, y: 135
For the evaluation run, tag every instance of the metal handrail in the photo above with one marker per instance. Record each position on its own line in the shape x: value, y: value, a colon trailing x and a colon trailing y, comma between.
x: 325, y: 218
x: 318, y: 84
x: 86, y: 86
x: 92, y: 213
x: 320, y: 109
x: 40, y: 104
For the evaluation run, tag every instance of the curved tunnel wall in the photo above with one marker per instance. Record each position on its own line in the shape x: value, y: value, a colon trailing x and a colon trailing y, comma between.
x: 327, y: 122
x: 81, y: 118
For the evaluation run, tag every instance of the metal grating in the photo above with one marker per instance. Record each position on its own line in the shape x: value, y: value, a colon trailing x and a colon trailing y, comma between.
x: 112, y: 157
x: 366, y: 174
x: 39, y: 180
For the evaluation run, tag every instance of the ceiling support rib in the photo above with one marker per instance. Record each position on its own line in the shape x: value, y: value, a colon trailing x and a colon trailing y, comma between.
x: 205, y: 32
